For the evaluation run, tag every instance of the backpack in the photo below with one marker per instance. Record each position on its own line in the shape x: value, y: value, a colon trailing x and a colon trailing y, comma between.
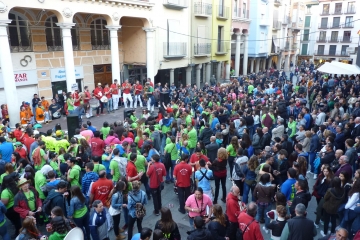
x: 139, y: 207
x: 122, y: 163
x: 268, y: 121
x: 47, y: 206
x: 240, y: 233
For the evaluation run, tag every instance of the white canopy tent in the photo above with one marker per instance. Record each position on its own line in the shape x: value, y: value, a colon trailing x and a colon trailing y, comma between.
x: 339, y: 68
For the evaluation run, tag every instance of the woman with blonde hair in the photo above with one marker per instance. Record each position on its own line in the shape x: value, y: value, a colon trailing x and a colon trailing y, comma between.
x: 219, y: 171
x: 220, y: 224
x: 250, y: 177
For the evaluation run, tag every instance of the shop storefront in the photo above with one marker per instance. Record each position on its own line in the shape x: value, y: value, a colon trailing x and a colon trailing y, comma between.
x: 135, y: 72
x: 58, y: 79
x: 26, y: 86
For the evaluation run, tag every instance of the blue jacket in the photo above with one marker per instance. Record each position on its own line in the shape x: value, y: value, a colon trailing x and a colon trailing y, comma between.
x: 249, y: 175
x: 117, y: 201
x: 6, y: 149
x: 286, y: 187
x: 314, y: 143
x: 307, y: 118
x: 339, y: 141
x: 213, y: 123
x: 97, y: 220
x: 133, y: 198
x: 75, y: 205
x: 2, y: 212
x: 86, y: 181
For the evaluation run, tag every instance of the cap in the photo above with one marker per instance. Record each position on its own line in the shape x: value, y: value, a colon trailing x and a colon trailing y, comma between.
x: 99, y: 84
x: 18, y: 144
x: 22, y: 181
x: 58, y: 133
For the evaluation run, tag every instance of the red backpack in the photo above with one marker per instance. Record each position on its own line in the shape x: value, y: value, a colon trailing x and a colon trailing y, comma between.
x: 268, y: 121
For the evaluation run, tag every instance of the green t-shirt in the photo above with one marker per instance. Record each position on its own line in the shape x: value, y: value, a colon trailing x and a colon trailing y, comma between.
x: 30, y: 199
x: 105, y: 131
x: 188, y: 120
x: 2, y: 177
x: 7, y: 194
x: 43, y: 161
x: 250, y: 88
x: 115, y: 167
x: 55, y: 166
x: 75, y: 176
x: 40, y: 181
x: 231, y: 150
x: 140, y: 163
x: 80, y: 212
x: 61, y: 157
x: 70, y: 104
x: 171, y: 148
x: 192, y: 138
x: 168, y: 140
x: 98, y: 168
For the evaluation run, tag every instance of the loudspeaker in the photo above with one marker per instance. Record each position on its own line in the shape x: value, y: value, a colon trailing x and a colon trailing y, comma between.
x: 165, y: 98
x: 127, y: 113
x: 72, y: 124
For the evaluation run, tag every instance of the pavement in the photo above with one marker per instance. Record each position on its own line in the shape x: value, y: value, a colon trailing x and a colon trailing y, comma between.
x: 169, y: 198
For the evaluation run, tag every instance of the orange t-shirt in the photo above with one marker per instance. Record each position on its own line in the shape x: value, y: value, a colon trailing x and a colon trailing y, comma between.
x: 29, y: 112
x: 23, y: 117
x: 45, y: 104
x: 126, y: 87
x: 39, y: 112
x: 115, y: 88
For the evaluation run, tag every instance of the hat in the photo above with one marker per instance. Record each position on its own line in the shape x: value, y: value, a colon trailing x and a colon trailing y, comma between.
x: 27, y: 103
x: 115, y: 80
x: 18, y: 144
x: 58, y: 133
x: 22, y: 181
x: 99, y: 84
x: 267, y: 149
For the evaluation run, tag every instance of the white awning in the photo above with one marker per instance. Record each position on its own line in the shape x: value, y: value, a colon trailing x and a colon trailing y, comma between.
x: 339, y: 68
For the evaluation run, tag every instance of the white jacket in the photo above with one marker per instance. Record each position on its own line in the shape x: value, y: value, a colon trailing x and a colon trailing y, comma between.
x: 278, y: 132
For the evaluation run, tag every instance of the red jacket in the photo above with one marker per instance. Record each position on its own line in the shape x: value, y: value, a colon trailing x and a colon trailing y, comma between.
x: 21, y: 205
x: 232, y: 207
x: 253, y: 230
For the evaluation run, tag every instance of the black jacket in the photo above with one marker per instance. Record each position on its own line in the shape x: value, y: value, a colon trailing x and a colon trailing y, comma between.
x: 218, y: 231
x: 302, y: 197
x: 265, y: 140
x: 200, y: 234
x: 355, y: 132
x: 205, y: 135
x: 328, y: 158
x: 57, y: 199
x: 296, y: 228
x: 174, y: 234
x: 211, y: 152
x: 287, y: 146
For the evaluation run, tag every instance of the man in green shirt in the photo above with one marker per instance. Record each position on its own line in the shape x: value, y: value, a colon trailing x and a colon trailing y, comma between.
x: 97, y: 166
x: 172, y: 149
x: 291, y: 127
x: 40, y: 180
x: 141, y: 166
x: 192, y: 138
x: 73, y: 175
x: 114, y: 166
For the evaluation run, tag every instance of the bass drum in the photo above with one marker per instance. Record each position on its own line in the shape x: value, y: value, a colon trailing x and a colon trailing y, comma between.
x: 104, y: 99
x: 94, y: 103
x: 56, y: 115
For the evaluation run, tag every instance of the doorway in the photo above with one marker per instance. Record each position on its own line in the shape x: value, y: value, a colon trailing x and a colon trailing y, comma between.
x: 102, y: 74
x: 61, y: 86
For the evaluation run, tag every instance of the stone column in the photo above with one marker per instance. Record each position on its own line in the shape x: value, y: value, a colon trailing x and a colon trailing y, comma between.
x: 171, y: 76
x: 294, y: 60
x: 115, y: 61
x: 68, y: 54
x: 7, y: 72
x: 287, y: 63
x: 218, y: 71
x: 252, y: 65
x: 188, y: 75
x: 257, y: 65
x: 198, y: 73
x: 237, y: 54
x: 278, y: 65
x: 246, y: 54
x: 150, y: 56
x: 208, y: 72
x: 227, y: 71
x: 269, y: 62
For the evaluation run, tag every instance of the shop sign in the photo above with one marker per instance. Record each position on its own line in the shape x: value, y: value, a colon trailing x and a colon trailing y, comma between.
x: 59, y: 74
x: 22, y: 78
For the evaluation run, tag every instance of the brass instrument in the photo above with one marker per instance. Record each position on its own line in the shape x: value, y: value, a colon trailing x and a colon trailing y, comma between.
x: 145, y: 96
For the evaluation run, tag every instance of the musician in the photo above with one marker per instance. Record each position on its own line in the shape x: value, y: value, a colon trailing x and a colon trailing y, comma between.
x: 108, y: 94
x: 148, y: 80
x: 86, y: 101
x: 98, y: 93
x: 45, y: 107
x: 138, y: 90
x: 24, y: 118
x: 115, y: 94
x: 126, y: 87
x: 55, y: 107
x: 76, y: 98
x: 150, y: 96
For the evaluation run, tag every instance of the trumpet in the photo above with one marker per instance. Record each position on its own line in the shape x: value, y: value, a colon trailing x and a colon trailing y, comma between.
x: 145, y: 96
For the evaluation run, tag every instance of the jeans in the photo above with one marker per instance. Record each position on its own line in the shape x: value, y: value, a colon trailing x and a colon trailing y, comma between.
x: 156, y: 195
x: 246, y: 193
x: 183, y: 193
x: 83, y: 223
x: 261, y: 212
x: 14, y: 218
x: 109, y: 105
x: 3, y: 231
x: 170, y: 177
x: 101, y: 106
x: 231, y: 160
x: 116, y: 220
x: 145, y: 181
x: 126, y: 214
x: 327, y: 218
x: 217, y: 187
x: 131, y: 225
x: 163, y: 143
x: 312, y: 157
x: 251, y: 131
x: 191, y: 222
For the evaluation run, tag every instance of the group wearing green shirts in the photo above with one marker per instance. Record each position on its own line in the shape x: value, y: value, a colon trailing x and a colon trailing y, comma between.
x: 140, y: 163
x: 6, y: 194
x: 98, y: 167
x: 105, y: 131
x: 30, y: 200
x: 192, y: 138
x: 40, y: 182
x: 75, y: 175
x: 171, y: 148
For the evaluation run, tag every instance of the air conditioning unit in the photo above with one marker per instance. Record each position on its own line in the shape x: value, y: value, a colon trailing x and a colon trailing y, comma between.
x: 350, y: 50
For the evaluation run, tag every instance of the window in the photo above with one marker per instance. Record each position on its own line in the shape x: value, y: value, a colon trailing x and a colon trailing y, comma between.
x: 307, y: 21
x: 336, y: 22
x: 244, y: 11
x: 334, y: 36
x: 338, y: 8
x: 306, y: 35
x: 326, y: 8
x: 343, y: 49
x: 220, y: 45
x: 99, y: 35
x: 221, y: 8
x: 351, y: 7
x: 53, y: 34
x: 332, y: 50
x: 321, y: 49
x: 347, y: 36
x: 324, y: 22
x: 174, y: 46
x: 349, y: 22
x: 19, y: 35
x: 304, y: 49
x: 322, y: 36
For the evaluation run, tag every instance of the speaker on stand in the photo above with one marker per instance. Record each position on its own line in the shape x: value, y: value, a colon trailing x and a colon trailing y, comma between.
x: 72, y: 121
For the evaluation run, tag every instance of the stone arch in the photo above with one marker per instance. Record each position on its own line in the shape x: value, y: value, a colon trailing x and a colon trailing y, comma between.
x: 50, y: 13
x: 24, y: 13
x: 90, y: 18
x: 245, y: 31
x: 79, y: 20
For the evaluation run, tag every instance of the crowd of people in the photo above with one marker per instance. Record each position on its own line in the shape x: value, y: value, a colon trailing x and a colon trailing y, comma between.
x: 266, y: 134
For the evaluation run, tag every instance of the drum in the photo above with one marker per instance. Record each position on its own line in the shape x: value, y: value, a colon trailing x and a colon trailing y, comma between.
x: 94, y: 103
x: 104, y: 99
x: 56, y: 115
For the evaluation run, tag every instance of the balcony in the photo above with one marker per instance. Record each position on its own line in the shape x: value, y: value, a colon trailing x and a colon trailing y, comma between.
x: 346, y: 39
x: 286, y: 20
x: 335, y: 25
x: 174, y: 50
x: 348, y: 25
x: 277, y: 25
x: 350, y: 10
x: 296, y: 27
x: 333, y: 40
x: 277, y: 3
x: 175, y: 4
x: 202, y: 49
x: 331, y: 53
x: 221, y: 48
x: 323, y: 26
x: 337, y: 12
x: 222, y: 12
x: 202, y: 9
x: 321, y: 40
x: 308, y: 11
x: 325, y: 13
